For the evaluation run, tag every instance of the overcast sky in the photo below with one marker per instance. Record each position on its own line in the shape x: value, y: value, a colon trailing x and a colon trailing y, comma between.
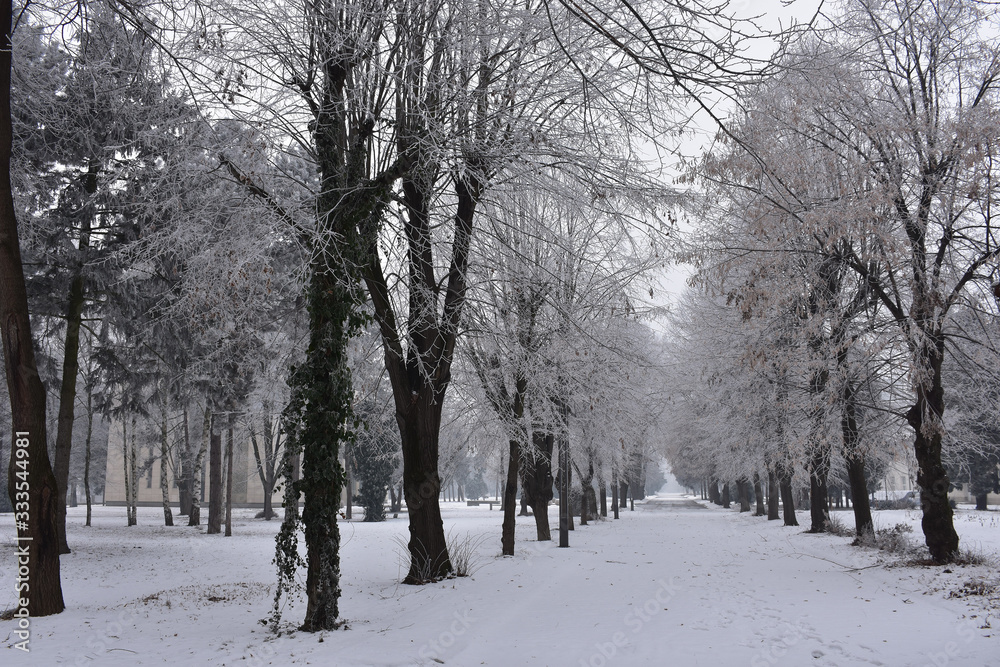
x: 771, y: 15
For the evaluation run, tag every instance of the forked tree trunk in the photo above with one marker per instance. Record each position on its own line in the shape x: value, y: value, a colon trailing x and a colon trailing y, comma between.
x: 266, y: 465
x: 421, y: 375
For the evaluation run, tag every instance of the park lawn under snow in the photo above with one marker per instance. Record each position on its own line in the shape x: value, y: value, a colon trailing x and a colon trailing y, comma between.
x: 673, y: 582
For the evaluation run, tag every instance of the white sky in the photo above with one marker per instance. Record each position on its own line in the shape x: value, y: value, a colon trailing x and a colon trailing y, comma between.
x: 772, y: 16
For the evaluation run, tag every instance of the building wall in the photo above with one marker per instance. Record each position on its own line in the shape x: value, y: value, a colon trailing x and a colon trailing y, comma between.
x: 247, y: 489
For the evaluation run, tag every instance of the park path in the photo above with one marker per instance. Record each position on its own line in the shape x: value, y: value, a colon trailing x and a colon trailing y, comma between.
x: 680, y: 582
x: 674, y: 582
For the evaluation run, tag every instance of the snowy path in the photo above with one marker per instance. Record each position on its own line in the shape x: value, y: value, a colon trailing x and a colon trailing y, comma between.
x: 672, y: 583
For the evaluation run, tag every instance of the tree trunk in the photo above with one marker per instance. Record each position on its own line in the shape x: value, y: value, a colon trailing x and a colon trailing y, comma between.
x: 772, y: 496
x: 271, y: 453
x: 168, y: 517
x: 67, y: 402
x: 536, y: 481
x: 131, y: 474
x: 229, y: 479
x: 713, y: 492
x: 926, y: 417
x: 420, y: 376
x: 758, y: 493
x: 214, y: 483
x: 87, y: 452
x: 614, y: 493
x: 133, y: 463
x: 266, y: 464
x: 397, y: 499
x: 855, y: 463
x: 510, y: 500
x: 420, y: 429
x: 588, y: 498
x: 185, y: 466
x: 296, y: 470
x: 348, y: 509
x: 571, y: 493
x: 127, y: 471
x: 565, y: 514
x: 725, y: 495
x: 31, y: 484
x: 744, y: 495
x: 981, y: 501
x: 603, y: 491
x: 819, y: 470
x: 194, y: 518
x: 787, y: 499
x: 622, y: 494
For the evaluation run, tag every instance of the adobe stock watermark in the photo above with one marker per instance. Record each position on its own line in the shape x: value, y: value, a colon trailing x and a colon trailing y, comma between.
x: 952, y: 650
x: 435, y: 648
x: 635, y: 621
x: 100, y: 642
x: 22, y: 518
x: 265, y: 653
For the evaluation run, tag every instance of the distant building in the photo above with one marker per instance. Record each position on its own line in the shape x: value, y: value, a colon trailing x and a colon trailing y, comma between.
x: 900, y: 478
x: 247, y: 489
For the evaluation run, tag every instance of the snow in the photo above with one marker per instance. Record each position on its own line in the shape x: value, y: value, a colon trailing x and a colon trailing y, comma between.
x: 674, y: 581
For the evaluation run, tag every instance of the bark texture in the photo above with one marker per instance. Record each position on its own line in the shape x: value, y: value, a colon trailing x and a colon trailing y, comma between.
x: 31, y: 485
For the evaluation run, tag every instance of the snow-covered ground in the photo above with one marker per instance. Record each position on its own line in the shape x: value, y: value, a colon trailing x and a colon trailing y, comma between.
x: 674, y: 582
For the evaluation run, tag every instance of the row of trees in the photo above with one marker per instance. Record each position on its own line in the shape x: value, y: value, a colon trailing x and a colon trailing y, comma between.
x: 205, y: 218
x: 848, y: 268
